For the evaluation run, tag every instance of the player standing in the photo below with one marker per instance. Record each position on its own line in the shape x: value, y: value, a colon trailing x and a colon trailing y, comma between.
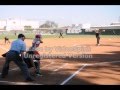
x: 36, y: 60
x: 97, y: 33
x: 6, y: 40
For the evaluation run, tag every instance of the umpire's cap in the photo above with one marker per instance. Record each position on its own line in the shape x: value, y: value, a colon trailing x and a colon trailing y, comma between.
x: 21, y: 35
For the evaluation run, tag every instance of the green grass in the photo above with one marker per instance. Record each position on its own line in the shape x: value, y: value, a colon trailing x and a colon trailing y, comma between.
x: 32, y: 35
x: 8, y: 35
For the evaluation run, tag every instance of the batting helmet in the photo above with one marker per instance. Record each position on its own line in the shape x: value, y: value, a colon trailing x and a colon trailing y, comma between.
x: 38, y: 36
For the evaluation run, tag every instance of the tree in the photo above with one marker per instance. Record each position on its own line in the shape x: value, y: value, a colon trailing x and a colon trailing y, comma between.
x: 49, y: 24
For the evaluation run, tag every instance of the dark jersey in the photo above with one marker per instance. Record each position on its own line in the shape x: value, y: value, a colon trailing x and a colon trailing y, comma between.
x: 6, y: 38
x: 97, y: 35
x: 61, y: 34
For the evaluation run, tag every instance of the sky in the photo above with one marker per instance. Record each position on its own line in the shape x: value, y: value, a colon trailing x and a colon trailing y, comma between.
x: 64, y: 14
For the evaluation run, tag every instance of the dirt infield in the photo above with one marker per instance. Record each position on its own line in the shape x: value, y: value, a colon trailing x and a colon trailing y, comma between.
x: 71, y: 61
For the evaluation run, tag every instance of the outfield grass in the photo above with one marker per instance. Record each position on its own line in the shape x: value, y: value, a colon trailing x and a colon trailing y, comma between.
x: 31, y: 36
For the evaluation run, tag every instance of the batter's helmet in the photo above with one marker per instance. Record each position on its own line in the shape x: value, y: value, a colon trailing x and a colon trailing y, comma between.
x: 38, y: 36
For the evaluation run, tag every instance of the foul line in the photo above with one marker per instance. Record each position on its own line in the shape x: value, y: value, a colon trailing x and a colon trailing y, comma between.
x: 60, y: 67
x: 84, y: 65
x: 66, y: 80
x: 70, y: 77
x: 47, y: 65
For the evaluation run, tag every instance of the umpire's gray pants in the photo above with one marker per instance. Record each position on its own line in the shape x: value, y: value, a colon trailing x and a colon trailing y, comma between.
x: 13, y: 56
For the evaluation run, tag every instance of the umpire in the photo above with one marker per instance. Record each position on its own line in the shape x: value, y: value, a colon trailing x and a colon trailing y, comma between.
x: 16, y: 54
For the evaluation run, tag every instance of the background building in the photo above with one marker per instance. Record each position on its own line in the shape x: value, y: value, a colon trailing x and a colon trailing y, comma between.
x: 18, y: 24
